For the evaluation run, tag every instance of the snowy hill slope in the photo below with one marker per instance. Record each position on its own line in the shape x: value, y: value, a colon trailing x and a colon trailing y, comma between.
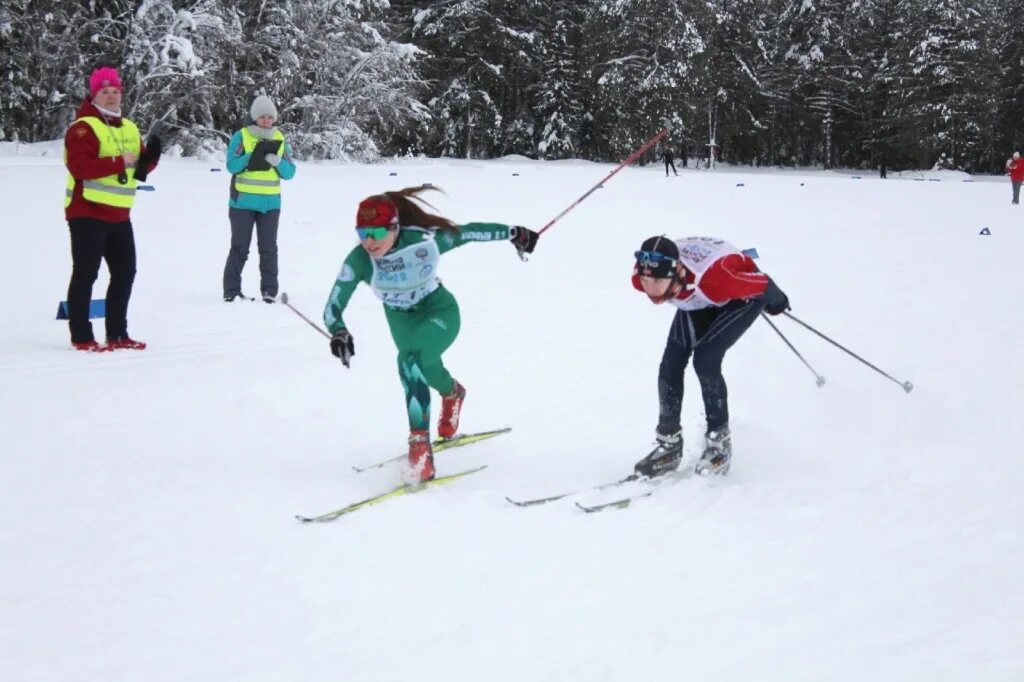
x: 863, y: 533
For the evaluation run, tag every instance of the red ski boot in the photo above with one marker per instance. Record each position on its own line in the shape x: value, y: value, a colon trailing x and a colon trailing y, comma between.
x: 451, y: 406
x: 421, y: 457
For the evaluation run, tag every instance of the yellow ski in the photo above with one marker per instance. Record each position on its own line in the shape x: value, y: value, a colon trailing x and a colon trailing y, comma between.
x: 404, y: 489
x: 439, y: 445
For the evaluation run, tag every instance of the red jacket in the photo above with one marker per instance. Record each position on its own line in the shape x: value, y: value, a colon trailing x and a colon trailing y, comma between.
x: 730, y: 277
x: 1016, y: 169
x: 82, y: 150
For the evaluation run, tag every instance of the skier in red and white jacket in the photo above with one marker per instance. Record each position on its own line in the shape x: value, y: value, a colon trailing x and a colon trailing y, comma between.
x: 719, y: 293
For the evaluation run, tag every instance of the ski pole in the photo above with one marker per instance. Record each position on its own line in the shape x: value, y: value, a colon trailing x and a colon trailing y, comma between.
x: 906, y: 385
x: 311, y: 323
x: 818, y: 379
x: 632, y: 157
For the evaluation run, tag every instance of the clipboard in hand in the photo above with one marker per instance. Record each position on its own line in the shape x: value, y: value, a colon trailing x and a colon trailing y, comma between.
x: 258, y: 161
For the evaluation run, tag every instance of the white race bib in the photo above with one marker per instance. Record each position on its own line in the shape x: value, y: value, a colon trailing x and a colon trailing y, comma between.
x: 405, y: 277
x: 698, y: 254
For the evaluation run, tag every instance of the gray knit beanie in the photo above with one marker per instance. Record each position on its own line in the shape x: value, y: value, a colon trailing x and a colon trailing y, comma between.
x: 262, y: 106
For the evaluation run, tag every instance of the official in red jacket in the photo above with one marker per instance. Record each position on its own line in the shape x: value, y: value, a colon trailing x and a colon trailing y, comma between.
x: 105, y: 158
x: 1015, y: 169
x: 719, y: 293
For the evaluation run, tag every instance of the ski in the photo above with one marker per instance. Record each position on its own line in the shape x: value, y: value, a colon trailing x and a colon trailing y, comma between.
x: 617, y: 504
x: 398, y: 491
x: 656, y: 484
x: 593, y: 488
x: 439, y: 445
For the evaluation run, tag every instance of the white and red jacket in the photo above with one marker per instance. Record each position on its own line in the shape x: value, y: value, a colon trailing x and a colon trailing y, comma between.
x: 716, y: 273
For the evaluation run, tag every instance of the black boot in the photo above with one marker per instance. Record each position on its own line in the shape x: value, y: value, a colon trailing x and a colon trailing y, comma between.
x: 717, y: 453
x: 664, y: 458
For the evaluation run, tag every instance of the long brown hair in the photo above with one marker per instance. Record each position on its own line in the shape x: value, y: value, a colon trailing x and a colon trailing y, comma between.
x: 410, y: 212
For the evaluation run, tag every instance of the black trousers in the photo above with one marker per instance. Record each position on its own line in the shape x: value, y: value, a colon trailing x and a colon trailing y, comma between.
x: 668, y: 162
x: 706, y: 335
x: 93, y: 241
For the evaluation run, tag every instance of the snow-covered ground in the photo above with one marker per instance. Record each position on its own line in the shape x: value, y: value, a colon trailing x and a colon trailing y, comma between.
x: 863, y: 533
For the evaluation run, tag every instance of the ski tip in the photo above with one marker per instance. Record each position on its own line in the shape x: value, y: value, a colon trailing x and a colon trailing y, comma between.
x: 302, y: 519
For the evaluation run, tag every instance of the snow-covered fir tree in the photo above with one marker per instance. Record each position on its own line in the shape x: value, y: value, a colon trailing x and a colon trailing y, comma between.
x: 641, y: 56
x: 559, y: 106
x: 956, y: 68
x: 916, y: 83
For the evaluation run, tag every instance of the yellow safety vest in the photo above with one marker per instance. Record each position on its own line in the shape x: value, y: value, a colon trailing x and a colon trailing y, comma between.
x: 113, y: 142
x: 262, y: 181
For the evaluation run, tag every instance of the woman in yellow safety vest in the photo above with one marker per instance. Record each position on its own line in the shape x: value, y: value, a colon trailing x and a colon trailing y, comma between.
x: 103, y: 151
x: 258, y: 159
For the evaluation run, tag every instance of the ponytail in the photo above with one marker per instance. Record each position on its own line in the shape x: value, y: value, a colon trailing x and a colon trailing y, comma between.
x: 410, y: 212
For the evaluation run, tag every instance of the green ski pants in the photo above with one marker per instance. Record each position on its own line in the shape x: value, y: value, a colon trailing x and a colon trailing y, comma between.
x: 421, y: 335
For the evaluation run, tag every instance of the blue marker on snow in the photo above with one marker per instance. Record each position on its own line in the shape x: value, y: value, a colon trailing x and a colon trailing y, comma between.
x: 97, y: 308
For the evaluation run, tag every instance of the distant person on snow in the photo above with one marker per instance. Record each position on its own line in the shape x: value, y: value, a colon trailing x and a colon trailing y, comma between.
x: 667, y: 157
x: 258, y: 159
x: 719, y: 293
x: 103, y: 152
x: 1015, y: 169
x: 400, y: 245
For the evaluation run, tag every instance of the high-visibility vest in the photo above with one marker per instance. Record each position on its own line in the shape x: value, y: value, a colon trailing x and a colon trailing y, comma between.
x: 113, y: 142
x: 261, y: 181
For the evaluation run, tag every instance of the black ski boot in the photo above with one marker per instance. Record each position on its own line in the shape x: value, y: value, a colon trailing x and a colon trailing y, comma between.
x: 664, y: 458
x: 717, y: 453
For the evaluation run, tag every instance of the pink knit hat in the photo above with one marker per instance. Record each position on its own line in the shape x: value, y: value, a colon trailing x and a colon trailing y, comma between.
x: 104, y: 77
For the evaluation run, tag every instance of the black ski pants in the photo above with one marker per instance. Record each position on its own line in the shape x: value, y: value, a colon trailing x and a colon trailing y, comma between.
x: 705, y: 334
x: 93, y: 241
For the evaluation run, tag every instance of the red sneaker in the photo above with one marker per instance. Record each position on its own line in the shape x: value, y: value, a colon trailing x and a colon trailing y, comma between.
x: 89, y: 346
x: 421, y: 457
x: 451, y: 406
x: 125, y: 343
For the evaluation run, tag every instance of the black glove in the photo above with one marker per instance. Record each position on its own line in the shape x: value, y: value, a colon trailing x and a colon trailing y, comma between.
x: 154, y: 148
x: 523, y: 238
x: 342, y: 346
x: 775, y: 300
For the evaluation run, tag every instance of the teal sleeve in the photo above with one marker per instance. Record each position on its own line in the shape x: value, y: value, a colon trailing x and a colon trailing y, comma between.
x: 471, y: 232
x: 237, y: 159
x: 286, y: 169
x: 357, y: 268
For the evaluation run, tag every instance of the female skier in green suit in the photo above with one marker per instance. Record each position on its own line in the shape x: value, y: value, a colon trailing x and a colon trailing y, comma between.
x: 400, y: 245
